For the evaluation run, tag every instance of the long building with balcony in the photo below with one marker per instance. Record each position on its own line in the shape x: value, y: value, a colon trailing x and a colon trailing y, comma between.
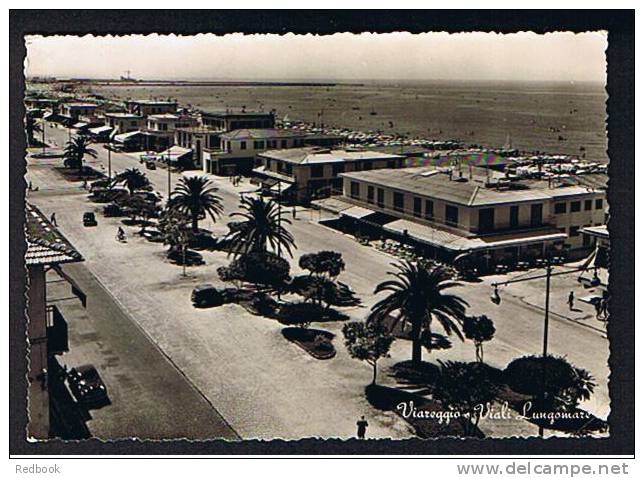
x: 314, y: 172
x: 230, y: 120
x: 492, y: 218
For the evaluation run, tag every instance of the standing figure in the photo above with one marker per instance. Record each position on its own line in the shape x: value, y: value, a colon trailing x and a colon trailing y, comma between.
x: 362, y: 425
x: 571, y: 300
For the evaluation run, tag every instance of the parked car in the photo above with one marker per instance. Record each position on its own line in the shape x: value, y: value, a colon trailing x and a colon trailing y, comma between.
x: 87, y: 386
x: 112, y: 210
x: 207, y: 295
x: 192, y: 258
x: 150, y: 165
x: 89, y: 219
x: 152, y: 234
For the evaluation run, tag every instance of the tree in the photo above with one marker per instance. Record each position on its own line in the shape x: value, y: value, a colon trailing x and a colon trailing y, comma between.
x: 259, y: 227
x: 479, y: 329
x: 323, y: 263
x: 174, y: 226
x: 551, y: 378
x: 133, y: 179
x: 75, y: 151
x: 368, y: 342
x: 418, y: 295
x: 465, y: 388
x: 195, y: 196
x: 138, y: 206
x: 259, y: 268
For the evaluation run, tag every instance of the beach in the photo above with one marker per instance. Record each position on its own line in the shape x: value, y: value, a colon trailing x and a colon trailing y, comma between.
x: 555, y: 118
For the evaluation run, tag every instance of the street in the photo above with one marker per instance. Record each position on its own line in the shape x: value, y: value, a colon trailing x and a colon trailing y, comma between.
x: 262, y: 385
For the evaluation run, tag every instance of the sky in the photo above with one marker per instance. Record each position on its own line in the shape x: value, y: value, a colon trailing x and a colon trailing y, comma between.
x: 394, y: 56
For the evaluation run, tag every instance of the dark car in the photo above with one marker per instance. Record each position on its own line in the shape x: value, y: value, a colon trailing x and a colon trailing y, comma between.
x: 112, y: 210
x: 207, y: 295
x: 89, y: 219
x: 150, y: 165
x: 192, y: 258
x: 87, y: 386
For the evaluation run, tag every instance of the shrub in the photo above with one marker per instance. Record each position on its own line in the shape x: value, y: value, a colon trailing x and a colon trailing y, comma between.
x: 564, y: 385
x: 263, y: 268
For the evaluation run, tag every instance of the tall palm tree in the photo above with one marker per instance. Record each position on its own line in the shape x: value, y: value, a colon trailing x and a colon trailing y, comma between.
x: 75, y: 151
x: 418, y: 295
x: 195, y: 196
x: 261, y: 226
x: 133, y: 179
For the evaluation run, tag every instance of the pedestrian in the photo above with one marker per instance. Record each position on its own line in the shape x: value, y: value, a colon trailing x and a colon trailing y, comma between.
x: 571, y: 300
x: 598, y: 308
x: 294, y: 213
x: 52, y: 219
x: 362, y: 427
x: 604, y: 307
x: 29, y: 186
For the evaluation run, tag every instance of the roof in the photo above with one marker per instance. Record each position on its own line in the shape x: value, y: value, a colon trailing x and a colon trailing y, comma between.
x: 597, y: 231
x: 152, y: 102
x: 121, y: 138
x: 432, y: 183
x: 457, y: 243
x: 45, y: 244
x: 317, y: 155
x: 101, y: 129
x: 253, y: 134
x: 226, y: 114
x: 81, y: 105
x: 166, y: 116
x: 118, y: 114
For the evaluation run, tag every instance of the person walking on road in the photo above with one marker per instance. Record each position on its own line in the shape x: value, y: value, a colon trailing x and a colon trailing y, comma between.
x: 52, y: 219
x: 598, y: 309
x: 571, y: 300
x: 362, y: 425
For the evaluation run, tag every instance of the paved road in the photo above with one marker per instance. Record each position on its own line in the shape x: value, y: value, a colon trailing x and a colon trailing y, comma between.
x: 150, y: 398
x: 262, y: 385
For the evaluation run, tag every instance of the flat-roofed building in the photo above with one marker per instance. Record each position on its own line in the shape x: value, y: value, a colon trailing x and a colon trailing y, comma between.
x: 238, y: 150
x: 124, y: 122
x: 497, y: 217
x: 229, y: 120
x: 198, y: 139
x: 161, y: 128
x: 76, y: 111
x: 313, y: 172
x: 150, y: 107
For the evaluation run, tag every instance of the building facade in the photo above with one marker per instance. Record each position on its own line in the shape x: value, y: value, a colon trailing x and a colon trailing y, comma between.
x: 124, y: 122
x: 150, y: 107
x: 456, y: 215
x: 313, y: 172
x: 224, y: 121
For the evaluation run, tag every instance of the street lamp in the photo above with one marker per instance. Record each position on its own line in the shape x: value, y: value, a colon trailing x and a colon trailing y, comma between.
x: 496, y: 299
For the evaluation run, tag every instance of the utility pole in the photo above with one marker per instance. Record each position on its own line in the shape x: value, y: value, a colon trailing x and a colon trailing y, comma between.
x: 109, y: 163
x: 169, y: 176
x: 497, y: 300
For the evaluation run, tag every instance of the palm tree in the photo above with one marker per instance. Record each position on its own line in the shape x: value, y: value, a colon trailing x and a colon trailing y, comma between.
x: 195, y: 196
x: 75, y: 151
x: 133, y: 179
x: 418, y: 295
x: 260, y: 227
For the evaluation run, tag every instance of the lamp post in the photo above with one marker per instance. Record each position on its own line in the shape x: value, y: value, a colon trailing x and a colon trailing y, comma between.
x: 496, y: 299
x: 109, y: 163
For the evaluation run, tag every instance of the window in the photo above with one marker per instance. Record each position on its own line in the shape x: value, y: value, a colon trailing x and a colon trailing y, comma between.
x: 599, y: 203
x: 242, y: 145
x: 575, y: 206
x: 451, y: 215
x: 560, y: 208
x: 284, y: 144
x: 574, y: 231
x: 588, y: 204
x: 486, y: 220
x: 368, y: 165
x: 289, y: 169
x: 399, y: 202
x: 429, y: 209
x: 370, y: 192
x: 261, y: 144
x: 355, y: 190
x: 391, y: 164
x: 536, y: 214
x: 317, y: 171
x: 514, y: 216
x: 337, y: 169
x: 381, y: 197
x: 418, y: 204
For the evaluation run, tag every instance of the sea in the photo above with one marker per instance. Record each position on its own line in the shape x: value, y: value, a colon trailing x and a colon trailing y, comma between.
x: 548, y: 117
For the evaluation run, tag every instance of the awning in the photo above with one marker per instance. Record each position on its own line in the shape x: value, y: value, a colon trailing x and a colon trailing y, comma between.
x: 101, y: 130
x: 357, y: 212
x: 449, y: 240
x: 80, y: 124
x: 175, y: 154
x: 277, y: 187
x: 125, y: 137
x: 265, y: 173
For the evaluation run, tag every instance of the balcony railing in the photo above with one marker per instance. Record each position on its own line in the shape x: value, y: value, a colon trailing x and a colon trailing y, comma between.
x: 57, y: 338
